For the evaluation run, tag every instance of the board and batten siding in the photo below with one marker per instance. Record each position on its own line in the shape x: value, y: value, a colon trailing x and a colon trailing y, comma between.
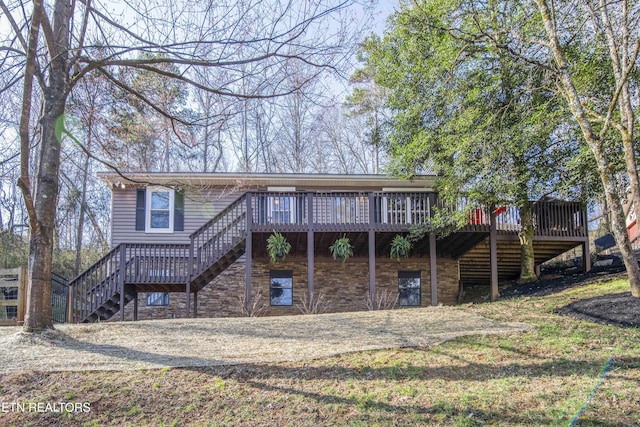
x: 199, y: 207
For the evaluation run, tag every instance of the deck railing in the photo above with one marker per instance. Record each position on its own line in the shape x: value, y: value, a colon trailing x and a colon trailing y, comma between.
x: 550, y: 218
x: 214, y: 239
x: 338, y: 211
x: 153, y: 263
x: 397, y: 211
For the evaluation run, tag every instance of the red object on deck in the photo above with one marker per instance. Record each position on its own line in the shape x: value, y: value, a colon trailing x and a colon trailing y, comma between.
x: 477, y: 217
x: 633, y: 231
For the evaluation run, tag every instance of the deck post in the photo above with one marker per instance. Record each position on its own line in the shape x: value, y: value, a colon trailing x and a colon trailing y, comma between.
x: 586, y: 256
x: 372, y: 249
x: 433, y: 269
x: 195, y: 304
x: 310, y: 249
x: 586, y: 250
x: 493, y: 253
x: 123, y: 248
x: 189, y: 273
x: 248, y: 254
x: 135, y: 305
x: 188, y: 297
x: 433, y: 265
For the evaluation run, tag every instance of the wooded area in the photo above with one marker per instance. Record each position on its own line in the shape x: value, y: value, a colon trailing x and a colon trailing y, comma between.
x: 508, y: 100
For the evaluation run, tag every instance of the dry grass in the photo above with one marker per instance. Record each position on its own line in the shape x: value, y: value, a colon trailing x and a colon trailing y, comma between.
x: 210, y: 342
x: 542, y: 376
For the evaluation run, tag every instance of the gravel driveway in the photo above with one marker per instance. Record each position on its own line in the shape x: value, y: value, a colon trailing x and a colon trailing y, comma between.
x: 220, y: 341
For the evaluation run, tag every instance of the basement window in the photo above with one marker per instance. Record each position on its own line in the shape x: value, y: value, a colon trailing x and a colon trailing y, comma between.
x: 409, y: 288
x: 281, y: 287
x: 158, y: 299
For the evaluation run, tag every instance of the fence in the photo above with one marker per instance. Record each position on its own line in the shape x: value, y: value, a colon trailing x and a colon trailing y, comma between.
x: 13, y: 286
x: 13, y: 296
x: 59, y: 298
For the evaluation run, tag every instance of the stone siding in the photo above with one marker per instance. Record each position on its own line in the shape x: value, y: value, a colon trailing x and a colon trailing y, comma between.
x: 344, y: 285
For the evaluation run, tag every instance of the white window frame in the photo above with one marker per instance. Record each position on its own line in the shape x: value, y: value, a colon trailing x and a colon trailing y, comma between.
x: 273, y: 209
x: 354, y: 213
x: 408, y: 209
x: 156, y: 295
x: 172, y: 195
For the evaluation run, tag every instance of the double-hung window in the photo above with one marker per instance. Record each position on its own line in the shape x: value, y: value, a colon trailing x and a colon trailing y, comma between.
x: 282, y: 209
x: 159, y: 212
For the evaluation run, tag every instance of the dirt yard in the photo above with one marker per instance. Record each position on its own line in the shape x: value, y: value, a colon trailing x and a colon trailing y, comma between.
x: 211, y: 342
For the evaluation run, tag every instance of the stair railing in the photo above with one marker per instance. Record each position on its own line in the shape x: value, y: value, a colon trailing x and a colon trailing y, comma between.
x: 216, y: 237
x: 96, y: 285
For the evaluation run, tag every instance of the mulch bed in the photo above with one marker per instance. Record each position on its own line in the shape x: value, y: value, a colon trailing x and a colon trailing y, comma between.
x: 613, y: 309
x: 620, y: 310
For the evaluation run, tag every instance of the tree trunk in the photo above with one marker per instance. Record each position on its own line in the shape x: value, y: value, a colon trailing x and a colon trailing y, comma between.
x: 605, y: 168
x: 527, y: 256
x: 83, y: 201
x: 38, y: 315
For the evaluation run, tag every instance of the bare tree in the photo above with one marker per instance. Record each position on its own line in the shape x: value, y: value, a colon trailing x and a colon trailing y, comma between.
x: 618, y: 22
x: 51, y: 48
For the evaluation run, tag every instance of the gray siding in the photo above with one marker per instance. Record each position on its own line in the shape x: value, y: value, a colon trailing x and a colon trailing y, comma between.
x: 199, y: 207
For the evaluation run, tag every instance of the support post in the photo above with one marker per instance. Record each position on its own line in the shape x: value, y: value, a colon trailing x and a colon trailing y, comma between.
x: 188, y: 298
x: 248, y: 254
x: 586, y: 250
x: 433, y: 264
x: 195, y: 304
x: 586, y: 256
x: 310, y: 249
x: 135, y: 305
x: 433, y: 269
x: 189, y: 276
x: 493, y: 254
x: 372, y: 249
x: 123, y: 249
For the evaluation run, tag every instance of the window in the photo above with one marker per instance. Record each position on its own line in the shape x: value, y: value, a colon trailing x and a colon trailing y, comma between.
x: 406, y: 208
x: 158, y: 298
x: 159, y: 212
x: 9, y: 292
x: 281, y: 287
x: 282, y: 209
x: 350, y: 209
x: 10, y: 312
x: 409, y: 288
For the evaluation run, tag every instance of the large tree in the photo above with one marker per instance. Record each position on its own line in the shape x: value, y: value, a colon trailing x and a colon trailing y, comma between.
x: 51, y: 47
x: 576, y: 43
x: 484, y: 121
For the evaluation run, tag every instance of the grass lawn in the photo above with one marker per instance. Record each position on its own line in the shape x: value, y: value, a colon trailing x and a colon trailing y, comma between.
x: 546, y: 376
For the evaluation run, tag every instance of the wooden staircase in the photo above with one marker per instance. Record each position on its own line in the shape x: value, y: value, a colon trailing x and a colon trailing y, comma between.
x: 113, y: 281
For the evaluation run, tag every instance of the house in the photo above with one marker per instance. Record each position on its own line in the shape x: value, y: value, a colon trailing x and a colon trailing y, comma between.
x: 194, y: 244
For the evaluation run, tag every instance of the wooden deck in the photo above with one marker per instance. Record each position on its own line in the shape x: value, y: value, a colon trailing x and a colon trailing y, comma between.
x: 311, y: 222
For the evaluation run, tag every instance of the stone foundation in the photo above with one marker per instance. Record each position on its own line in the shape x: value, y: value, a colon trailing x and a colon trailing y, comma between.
x: 344, y: 285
